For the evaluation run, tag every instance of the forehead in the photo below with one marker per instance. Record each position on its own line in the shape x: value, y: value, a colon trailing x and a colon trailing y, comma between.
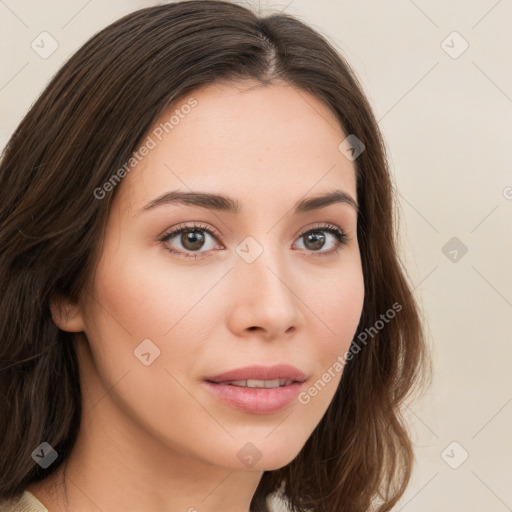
x: 255, y: 142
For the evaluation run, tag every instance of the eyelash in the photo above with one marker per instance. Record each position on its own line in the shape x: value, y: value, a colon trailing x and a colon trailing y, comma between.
x: 330, y: 228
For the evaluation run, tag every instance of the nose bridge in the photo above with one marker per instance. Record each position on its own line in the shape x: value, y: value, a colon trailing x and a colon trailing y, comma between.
x: 259, y: 252
x: 256, y: 250
x: 263, y: 274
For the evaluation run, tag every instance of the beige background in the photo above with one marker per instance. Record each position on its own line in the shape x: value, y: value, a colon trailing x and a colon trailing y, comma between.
x: 447, y: 121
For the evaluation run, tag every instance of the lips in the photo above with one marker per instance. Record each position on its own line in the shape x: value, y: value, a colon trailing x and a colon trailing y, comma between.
x: 282, y: 372
x: 258, y: 389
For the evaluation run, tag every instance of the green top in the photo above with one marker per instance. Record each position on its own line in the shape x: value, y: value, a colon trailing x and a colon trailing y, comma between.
x: 27, y: 503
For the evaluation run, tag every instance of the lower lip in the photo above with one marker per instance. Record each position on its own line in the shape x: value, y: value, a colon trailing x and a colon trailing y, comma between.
x: 256, y: 400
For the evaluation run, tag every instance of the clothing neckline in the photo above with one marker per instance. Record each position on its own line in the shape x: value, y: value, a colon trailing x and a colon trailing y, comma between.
x: 31, y: 503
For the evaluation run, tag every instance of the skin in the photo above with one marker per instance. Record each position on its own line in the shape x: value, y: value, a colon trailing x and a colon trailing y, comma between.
x: 153, y: 438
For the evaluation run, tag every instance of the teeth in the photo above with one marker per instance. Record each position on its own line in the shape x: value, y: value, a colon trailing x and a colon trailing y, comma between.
x: 251, y: 383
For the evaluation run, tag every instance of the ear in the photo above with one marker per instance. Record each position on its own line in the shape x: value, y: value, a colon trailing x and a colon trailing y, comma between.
x: 66, y: 315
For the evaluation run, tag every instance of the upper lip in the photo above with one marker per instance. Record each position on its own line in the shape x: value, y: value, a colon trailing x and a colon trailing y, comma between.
x: 256, y: 372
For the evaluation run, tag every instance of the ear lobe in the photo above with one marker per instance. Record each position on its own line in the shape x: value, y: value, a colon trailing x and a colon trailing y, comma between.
x: 66, y: 315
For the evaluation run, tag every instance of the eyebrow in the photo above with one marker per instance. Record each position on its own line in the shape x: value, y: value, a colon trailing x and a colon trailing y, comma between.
x: 230, y: 205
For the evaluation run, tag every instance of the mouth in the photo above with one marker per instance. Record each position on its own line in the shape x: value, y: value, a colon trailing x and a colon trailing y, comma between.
x: 258, y: 389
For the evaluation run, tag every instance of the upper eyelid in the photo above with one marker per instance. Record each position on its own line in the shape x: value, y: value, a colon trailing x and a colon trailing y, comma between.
x: 194, y: 225
x: 184, y: 226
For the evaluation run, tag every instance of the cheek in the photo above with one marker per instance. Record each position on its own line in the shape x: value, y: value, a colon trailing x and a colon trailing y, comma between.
x: 150, y: 297
x: 337, y: 312
x: 338, y: 305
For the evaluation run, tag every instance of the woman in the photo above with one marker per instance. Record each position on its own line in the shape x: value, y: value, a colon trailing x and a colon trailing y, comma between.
x: 203, y: 305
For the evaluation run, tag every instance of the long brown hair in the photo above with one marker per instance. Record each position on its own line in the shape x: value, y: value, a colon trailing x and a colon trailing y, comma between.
x: 86, y: 124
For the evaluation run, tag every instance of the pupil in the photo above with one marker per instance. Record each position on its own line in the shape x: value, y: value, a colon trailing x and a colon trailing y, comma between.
x: 318, y: 241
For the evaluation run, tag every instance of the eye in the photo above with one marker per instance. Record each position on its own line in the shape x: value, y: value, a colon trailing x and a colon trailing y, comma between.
x: 190, y: 236
x: 315, y: 239
x: 192, y: 239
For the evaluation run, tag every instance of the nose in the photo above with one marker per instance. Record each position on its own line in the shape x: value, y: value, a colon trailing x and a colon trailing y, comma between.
x: 262, y: 297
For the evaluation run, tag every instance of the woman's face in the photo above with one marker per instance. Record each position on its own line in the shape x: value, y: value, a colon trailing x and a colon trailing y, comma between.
x: 161, y: 324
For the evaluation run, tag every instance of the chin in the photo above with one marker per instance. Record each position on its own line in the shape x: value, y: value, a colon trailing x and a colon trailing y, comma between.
x: 266, y: 454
